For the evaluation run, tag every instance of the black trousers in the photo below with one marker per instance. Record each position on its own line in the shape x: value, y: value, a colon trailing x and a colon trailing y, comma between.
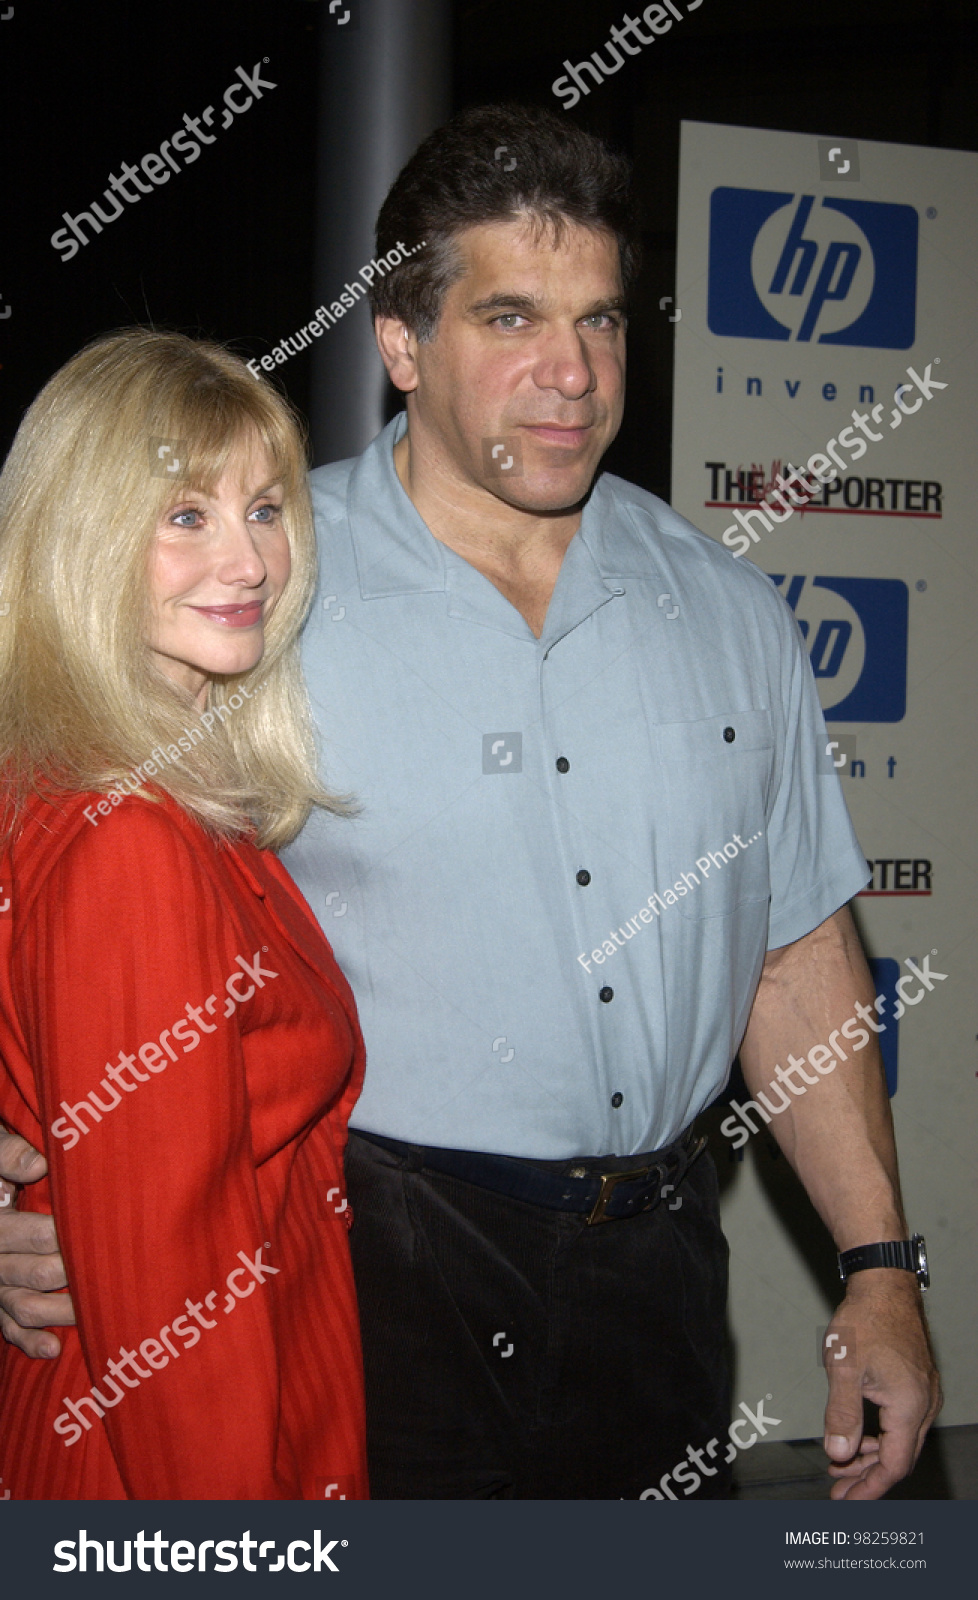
x: 515, y: 1352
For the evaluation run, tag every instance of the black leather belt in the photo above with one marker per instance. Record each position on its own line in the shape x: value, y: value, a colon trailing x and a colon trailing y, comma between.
x: 602, y: 1196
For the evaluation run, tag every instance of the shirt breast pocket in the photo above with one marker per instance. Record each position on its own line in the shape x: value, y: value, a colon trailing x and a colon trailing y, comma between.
x: 713, y: 781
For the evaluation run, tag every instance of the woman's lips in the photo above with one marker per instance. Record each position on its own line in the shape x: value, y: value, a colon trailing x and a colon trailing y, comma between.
x: 245, y: 615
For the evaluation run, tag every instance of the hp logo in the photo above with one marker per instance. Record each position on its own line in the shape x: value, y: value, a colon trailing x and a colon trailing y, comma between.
x: 839, y: 271
x: 856, y: 632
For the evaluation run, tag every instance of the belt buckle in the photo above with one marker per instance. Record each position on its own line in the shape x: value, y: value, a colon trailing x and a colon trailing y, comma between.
x: 610, y: 1181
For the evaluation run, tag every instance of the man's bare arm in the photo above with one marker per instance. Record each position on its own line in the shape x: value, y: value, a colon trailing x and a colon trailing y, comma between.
x: 30, y: 1266
x: 838, y: 1135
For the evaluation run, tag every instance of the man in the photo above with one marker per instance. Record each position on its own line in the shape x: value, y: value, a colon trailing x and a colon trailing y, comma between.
x: 595, y: 856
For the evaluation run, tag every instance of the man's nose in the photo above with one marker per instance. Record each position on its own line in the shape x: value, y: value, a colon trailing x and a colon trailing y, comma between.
x: 565, y: 365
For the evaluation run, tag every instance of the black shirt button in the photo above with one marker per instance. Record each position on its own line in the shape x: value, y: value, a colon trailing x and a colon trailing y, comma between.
x: 729, y: 735
x: 617, y: 1098
x: 606, y: 994
x: 584, y: 877
x: 563, y: 765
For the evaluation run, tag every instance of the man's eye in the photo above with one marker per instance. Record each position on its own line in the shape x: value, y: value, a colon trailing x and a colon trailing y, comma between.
x: 508, y: 319
x: 604, y: 319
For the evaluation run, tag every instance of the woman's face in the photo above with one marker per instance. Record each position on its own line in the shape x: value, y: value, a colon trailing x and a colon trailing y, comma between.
x: 218, y: 566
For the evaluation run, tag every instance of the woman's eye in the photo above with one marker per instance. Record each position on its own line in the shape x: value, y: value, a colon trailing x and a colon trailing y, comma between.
x: 179, y: 516
x: 266, y: 513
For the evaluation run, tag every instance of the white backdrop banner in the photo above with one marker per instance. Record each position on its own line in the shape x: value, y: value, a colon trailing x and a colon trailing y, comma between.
x: 824, y: 428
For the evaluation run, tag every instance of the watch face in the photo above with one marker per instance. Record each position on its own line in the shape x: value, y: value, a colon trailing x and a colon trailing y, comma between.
x: 923, y: 1272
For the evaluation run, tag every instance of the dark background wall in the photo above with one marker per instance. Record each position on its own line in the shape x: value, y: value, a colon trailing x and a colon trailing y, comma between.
x: 225, y: 248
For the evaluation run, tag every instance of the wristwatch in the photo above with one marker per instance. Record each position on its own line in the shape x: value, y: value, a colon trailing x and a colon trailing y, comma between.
x: 910, y: 1254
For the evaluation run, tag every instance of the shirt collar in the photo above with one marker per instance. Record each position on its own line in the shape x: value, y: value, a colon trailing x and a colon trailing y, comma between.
x: 397, y: 554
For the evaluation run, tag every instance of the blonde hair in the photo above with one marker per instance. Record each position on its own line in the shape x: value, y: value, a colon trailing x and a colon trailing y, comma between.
x: 81, y: 494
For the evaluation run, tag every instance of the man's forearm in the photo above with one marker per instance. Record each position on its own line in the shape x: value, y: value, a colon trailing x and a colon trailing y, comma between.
x: 837, y: 1132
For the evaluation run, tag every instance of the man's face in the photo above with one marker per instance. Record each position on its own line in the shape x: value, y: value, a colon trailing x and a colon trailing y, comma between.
x: 527, y: 364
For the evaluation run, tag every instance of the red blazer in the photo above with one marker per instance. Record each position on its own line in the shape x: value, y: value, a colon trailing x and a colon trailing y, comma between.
x: 177, y: 1039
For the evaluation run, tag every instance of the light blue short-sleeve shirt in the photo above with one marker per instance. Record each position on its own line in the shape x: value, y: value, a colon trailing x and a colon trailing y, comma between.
x: 572, y: 852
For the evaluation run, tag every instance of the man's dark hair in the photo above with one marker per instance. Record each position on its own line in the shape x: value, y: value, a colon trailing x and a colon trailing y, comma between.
x: 547, y: 169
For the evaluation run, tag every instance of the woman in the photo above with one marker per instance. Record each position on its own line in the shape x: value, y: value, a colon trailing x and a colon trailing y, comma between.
x: 164, y: 987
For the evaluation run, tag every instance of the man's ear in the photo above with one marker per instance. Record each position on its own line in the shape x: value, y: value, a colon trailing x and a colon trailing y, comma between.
x: 398, y: 349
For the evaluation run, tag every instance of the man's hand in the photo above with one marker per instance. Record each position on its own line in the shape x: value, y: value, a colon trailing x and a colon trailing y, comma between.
x: 30, y: 1266
x: 837, y: 1132
x: 887, y: 1360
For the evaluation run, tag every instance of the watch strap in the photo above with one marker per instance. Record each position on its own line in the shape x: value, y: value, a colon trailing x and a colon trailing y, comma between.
x: 891, y: 1253
x: 907, y: 1254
